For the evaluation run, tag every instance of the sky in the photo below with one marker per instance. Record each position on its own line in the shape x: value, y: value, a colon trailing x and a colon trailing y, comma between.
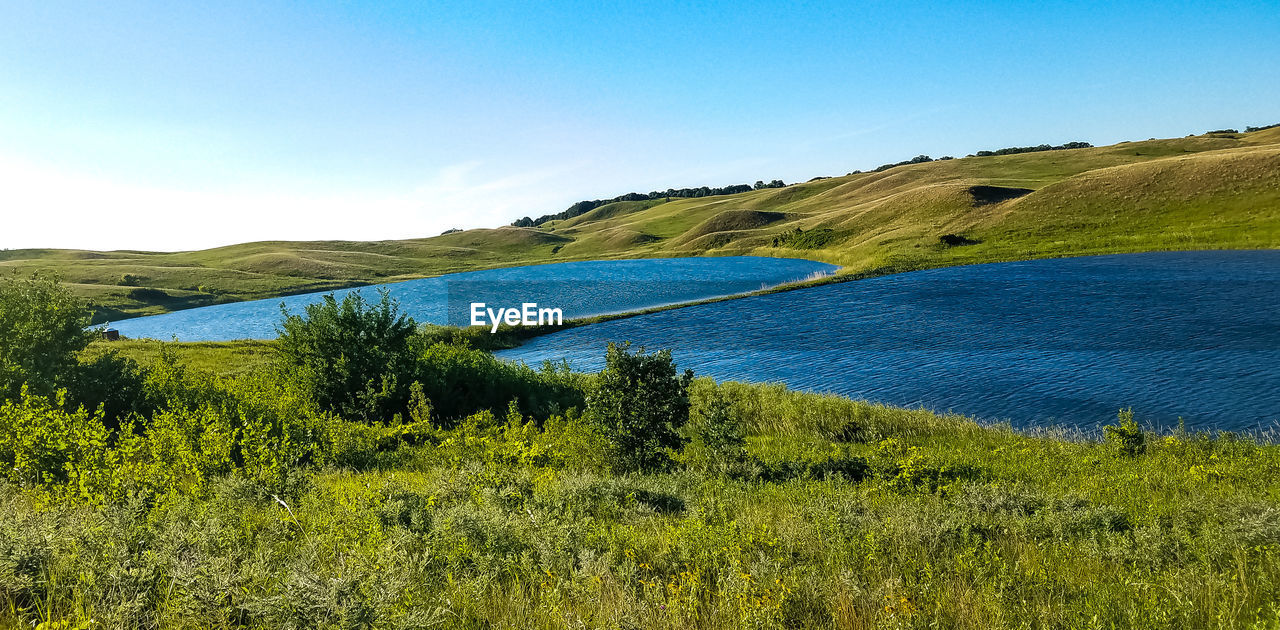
x: 173, y: 126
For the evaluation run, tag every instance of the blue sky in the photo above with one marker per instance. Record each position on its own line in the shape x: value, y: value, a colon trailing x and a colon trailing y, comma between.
x: 183, y: 125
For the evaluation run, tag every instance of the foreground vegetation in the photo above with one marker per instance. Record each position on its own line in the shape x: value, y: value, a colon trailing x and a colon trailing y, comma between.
x: 1213, y: 191
x: 438, y: 487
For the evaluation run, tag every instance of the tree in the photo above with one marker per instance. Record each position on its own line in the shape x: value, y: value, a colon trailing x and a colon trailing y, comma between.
x: 640, y: 405
x: 355, y: 357
x: 42, y: 329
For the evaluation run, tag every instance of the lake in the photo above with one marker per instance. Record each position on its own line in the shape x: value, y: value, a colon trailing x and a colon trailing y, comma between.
x: 1065, y: 341
x: 579, y: 289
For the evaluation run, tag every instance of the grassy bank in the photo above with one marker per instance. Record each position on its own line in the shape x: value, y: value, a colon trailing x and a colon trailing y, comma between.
x: 1214, y: 191
x: 831, y: 513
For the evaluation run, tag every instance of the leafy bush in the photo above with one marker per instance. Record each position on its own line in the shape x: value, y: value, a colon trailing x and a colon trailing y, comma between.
x: 909, y: 468
x: 1128, y: 437
x: 800, y: 239
x: 42, y: 332
x: 41, y: 443
x: 956, y: 240
x: 42, y: 328
x: 640, y: 404
x: 116, y: 383
x: 148, y: 294
x: 716, y: 434
x: 258, y: 429
x: 563, y: 441
x: 460, y: 381
x: 355, y: 357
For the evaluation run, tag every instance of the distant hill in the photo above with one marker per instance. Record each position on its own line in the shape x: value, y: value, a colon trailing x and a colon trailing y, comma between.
x: 1216, y: 190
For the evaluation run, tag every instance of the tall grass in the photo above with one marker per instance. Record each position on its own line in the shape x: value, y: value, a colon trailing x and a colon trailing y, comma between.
x: 840, y: 514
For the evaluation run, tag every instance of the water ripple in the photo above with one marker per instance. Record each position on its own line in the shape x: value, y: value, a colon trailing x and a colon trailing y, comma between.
x: 1064, y: 341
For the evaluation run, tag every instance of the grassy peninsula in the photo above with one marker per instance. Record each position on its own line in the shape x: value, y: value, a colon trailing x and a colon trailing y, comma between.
x: 1211, y: 191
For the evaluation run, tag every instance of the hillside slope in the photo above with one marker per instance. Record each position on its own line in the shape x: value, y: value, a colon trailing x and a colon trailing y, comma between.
x: 1199, y: 192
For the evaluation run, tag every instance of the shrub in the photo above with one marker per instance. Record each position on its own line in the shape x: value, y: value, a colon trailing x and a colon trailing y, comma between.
x: 562, y: 442
x: 355, y: 358
x: 908, y: 468
x: 640, y: 404
x: 800, y: 239
x: 148, y: 294
x: 460, y: 381
x: 956, y: 240
x: 42, y: 328
x: 116, y: 383
x: 41, y: 443
x: 1128, y: 437
x: 717, y: 436
x: 42, y: 332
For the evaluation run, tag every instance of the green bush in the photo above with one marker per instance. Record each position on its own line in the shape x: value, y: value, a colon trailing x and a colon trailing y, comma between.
x: 355, y: 357
x: 716, y: 434
x: 800, y: 239
x: 42, y: 332
x: 149, y: 294
x: 460, y: 381
x: 640, y: 405
x: 42, y: 328
x: 1127, y: 437
x: 563, y: 441
x: 116, y: 383
x: 42, y: 444
x: 908, y: 468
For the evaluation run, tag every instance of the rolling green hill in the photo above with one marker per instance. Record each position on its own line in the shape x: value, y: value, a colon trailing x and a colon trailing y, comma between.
x: 1199, y: 192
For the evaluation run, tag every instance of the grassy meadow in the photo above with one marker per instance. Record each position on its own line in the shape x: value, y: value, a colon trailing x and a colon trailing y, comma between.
x: 242, y: 505
x: 363, y: 471
x: 1213, y: 191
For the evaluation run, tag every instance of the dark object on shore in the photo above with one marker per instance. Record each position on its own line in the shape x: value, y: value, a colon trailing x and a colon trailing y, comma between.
x: 111, y: 334
x: 955, y: 240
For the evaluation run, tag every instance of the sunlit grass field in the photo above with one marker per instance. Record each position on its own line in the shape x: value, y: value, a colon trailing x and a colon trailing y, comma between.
x: 838, y: 514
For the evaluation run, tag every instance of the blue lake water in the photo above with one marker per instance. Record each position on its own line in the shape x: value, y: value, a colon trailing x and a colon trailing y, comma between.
x: 1064, y: 341
x: 579, y: 289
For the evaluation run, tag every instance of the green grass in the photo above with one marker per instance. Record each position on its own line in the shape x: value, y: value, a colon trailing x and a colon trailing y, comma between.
x: 223, y: 358
x: 1202, y: 192
x: 844, y: 514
